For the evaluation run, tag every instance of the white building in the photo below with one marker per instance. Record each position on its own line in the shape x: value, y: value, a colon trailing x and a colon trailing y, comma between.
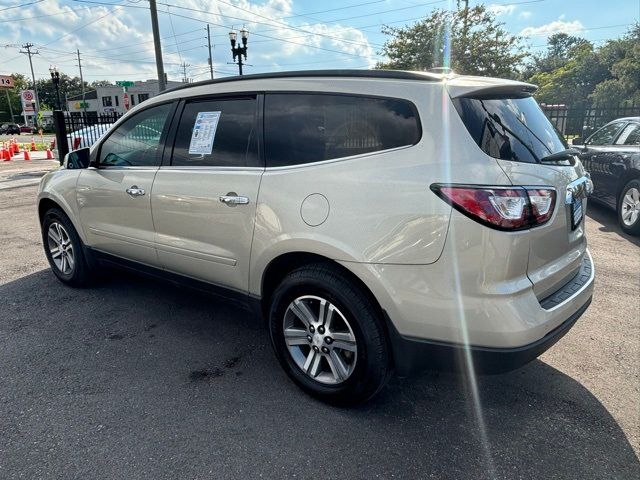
x: 114, y: 99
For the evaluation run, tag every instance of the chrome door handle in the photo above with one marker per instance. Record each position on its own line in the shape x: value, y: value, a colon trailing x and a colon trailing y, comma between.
x: 232, y: 199
x: 134, y: 191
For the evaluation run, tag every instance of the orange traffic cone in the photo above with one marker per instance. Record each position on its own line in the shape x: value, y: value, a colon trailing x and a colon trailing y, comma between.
x: 6, y: 156
x: 16, y: 147
x: 33, y: 145
x: 27, y: 155
x: 53, y: 143
x: 49, y: 154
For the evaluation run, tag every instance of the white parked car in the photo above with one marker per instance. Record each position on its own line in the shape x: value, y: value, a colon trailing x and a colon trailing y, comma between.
x: 379, y: 221
x: 85, y: 137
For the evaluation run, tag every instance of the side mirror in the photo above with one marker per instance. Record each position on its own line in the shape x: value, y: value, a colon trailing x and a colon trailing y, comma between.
x: 77, y: 159
x: 577, y: 141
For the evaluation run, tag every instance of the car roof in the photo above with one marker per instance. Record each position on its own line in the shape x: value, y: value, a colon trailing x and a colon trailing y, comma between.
x: 626, y: 119
x: 458, y: 85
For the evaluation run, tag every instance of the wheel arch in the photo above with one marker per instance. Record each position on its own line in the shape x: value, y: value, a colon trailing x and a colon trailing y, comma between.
x: 626, y: 177
x: 45, y: 203
x: 279, y: 267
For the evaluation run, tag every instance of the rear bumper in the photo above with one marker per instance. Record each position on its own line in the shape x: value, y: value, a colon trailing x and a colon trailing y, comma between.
x: 412, y: 355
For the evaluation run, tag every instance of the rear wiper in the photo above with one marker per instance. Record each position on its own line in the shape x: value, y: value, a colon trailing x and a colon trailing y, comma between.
x: 569, y: 154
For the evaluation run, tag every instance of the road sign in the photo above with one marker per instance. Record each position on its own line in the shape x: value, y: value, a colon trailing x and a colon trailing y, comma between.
x: 125, y: 83
x: 126, y: 101
x: 6, y: 81
x: 28, y: 98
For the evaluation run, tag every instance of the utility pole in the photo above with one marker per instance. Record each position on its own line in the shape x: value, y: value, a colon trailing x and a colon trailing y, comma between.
x: 156, y: 42
x: 84, y: 103
x: 184, y: 72
x: 210, y: 57
x: 29, y: 53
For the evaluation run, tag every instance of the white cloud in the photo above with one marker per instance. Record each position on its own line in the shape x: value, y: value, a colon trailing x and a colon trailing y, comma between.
x: 498, y: 9
x: 557, y: 26
x: 525, y: 14
x: 121, y: 43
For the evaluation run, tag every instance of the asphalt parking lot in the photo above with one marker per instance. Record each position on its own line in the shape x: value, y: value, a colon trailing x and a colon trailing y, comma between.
x: 140, y: 379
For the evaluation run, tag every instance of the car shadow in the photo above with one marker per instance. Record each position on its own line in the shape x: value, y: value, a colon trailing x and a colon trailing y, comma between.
x: 609, y: 221
x: 136, y: 377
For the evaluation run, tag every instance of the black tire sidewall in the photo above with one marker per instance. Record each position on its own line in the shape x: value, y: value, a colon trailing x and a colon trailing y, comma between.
x: 368, y: 371
x: 635, y: 228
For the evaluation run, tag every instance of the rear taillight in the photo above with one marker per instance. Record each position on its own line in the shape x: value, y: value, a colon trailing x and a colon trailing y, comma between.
x: 503, y: 208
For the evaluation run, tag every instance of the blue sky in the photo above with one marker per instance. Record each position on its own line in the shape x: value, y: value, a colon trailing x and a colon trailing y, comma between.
x: 115, y: 42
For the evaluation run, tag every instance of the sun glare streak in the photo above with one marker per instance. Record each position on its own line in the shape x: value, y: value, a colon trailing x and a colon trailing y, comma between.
x: 469, y: 368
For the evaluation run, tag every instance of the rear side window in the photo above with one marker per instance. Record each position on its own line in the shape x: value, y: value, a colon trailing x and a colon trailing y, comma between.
x: 510, y: 128
x: 305, y: 128
x: 630, y: 135
x: 218, y: 133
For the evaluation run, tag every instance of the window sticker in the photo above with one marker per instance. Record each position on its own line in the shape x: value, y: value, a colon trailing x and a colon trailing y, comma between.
x: 204, y: 132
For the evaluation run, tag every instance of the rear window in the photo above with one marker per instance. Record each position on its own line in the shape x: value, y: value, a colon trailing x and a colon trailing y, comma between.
x: 510, y: 128
x: 305, y: 128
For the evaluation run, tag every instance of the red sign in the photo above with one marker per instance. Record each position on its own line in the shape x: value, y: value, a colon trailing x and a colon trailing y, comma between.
x: 28, y: 97
x: 126, y: 101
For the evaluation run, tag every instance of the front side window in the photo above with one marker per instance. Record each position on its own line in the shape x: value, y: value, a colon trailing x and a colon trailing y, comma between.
x: 605, y: 135
x: 106, y: 102
x: 510, y: 128
x: 218, y: 133
x: 306, y: 128
x: 136, y: 143
x: 630, y: 135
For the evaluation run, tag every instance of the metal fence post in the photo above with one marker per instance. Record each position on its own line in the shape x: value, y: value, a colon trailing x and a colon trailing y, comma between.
x: 61, y: 134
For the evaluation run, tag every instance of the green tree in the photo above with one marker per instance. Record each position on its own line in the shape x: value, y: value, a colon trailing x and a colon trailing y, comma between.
x: 20, y: 82
x: 69, y: 86
x: 470, y: 41
x: 623, y: 58
x: 572, y: 82
x: 561, y: 48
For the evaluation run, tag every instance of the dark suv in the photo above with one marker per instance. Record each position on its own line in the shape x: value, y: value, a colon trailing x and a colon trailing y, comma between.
x: 612, y: 156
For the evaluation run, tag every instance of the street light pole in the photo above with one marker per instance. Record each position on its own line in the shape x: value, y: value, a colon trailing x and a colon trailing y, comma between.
x: 238, y: 51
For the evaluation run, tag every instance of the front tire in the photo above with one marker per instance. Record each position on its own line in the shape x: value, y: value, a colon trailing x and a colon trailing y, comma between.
x: 629, y: 208
x: 328, y: 336
x: 64, y: 249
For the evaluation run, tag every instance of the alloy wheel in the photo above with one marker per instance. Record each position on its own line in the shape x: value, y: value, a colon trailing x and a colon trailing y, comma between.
x: 630, y: 208
x: 320, y: 339
x: 60, y: 248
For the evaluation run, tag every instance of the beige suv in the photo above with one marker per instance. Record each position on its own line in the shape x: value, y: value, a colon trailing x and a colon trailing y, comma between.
x: 379, y: 221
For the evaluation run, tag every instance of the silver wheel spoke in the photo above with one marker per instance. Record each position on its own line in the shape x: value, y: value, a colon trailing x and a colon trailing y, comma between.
x: 627, y: 215
x: 315, y: 365
x: 339, y: 365
x: 343, y: 336
x: 53, y: 235
x: 351, y: 347
x: 70, y: 259
x: 295, y: 336
x: 63, y: 265
x: 635, y: 195
x: 56, y: 252
x: 300, y: 309
x: 309, y: 360
x: 329, y: 317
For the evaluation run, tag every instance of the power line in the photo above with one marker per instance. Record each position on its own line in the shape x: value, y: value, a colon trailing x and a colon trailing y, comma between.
x: 21, y: 5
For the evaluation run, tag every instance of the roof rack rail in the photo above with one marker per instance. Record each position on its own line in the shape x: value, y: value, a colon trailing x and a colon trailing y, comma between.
x: 394, y: 74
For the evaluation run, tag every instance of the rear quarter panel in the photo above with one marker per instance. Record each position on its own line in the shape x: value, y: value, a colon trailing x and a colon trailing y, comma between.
x: 380, y: 207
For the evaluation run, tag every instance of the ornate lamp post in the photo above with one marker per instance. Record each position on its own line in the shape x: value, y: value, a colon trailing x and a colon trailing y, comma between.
x: 55, y: 78
x: 239, y: 51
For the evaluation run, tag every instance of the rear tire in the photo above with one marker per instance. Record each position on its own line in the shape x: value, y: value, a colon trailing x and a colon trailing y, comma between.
x: 629, y: 208
x: 346, y: 363
x: 64, y: 250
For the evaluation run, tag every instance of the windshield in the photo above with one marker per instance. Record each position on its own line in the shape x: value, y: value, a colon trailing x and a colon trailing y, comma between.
x: 510, y: 128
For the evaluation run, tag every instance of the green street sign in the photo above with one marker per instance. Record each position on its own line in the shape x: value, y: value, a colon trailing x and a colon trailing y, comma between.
x: 125, y: 83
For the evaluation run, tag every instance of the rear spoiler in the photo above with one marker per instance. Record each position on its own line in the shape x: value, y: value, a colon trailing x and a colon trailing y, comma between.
x: 477, y: 87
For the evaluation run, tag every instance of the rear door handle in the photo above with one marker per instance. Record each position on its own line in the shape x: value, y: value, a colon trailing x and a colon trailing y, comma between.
x: 232, y: 199
x: 134, y: 191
